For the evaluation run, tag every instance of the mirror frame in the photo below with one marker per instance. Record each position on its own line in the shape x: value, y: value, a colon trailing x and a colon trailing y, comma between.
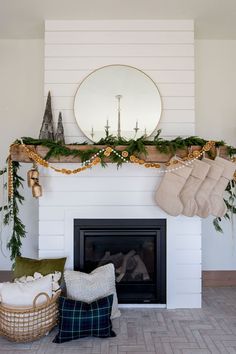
x: 110, y: 65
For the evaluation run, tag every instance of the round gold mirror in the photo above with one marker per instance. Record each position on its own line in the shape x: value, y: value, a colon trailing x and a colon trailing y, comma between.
x: 119, y: 100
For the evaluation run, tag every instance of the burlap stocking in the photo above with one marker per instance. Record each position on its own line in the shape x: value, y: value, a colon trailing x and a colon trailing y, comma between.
x: 193, y: 183
x: 203, y: 195
x: 167, y: 195
x: 218, y: 207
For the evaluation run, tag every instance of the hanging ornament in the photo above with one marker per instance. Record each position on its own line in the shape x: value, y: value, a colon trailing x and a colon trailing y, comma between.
x: 125, y: 153
x: 33, y: 181
x: 37, y: 190
x: 32, y: 175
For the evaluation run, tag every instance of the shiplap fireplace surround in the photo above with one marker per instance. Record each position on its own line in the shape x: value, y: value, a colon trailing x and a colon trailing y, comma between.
x: 165, y: 51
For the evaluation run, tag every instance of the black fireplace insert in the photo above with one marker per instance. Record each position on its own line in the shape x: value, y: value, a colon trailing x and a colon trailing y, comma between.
x: 136, y: 247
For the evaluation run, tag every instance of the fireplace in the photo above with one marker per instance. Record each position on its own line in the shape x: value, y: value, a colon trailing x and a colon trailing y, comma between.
x: 137, y: 248
x: 127, y: 192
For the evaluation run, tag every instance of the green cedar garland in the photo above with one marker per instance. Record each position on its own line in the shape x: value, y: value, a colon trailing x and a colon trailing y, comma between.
x: 231, y: 206
x: 19, y: 231
x: 2, y: 172
x: 12, y: 213
x: 132, y: 146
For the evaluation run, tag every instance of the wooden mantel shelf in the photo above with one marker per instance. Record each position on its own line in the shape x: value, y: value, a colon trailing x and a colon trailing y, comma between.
x: 18, y: 153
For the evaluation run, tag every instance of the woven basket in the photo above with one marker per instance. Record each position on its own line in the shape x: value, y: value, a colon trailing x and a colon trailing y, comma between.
x: 26, y: 325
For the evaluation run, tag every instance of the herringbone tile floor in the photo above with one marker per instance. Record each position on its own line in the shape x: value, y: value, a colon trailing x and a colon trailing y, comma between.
x: 211, y: 329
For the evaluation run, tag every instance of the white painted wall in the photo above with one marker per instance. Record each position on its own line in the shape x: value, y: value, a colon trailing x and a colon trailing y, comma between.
x: 215, y: 89
x: 21, y: 109
x: 214, y: 58
x: 216, y: 119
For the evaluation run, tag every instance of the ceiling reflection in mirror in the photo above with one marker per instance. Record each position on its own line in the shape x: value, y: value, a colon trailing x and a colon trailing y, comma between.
x: 117, y: 100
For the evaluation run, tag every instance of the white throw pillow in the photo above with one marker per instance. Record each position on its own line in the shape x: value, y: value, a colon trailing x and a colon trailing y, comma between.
x: 90, y: 287
x: 56, y: 276
x: 23, y: 294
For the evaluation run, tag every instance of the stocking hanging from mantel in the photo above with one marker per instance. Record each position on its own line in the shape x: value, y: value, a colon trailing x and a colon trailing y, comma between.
x: 192, y: 185
x: 168, y: 193
x: 218, y: 206
x: 203, y: 194
x: 196, y: 189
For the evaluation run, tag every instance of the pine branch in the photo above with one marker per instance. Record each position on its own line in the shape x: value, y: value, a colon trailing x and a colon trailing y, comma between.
x: 3, y: 171
x: 12, y: 215
x: 216, y: 224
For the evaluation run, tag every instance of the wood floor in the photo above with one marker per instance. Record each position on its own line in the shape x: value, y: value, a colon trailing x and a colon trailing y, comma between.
x: 211, y: 329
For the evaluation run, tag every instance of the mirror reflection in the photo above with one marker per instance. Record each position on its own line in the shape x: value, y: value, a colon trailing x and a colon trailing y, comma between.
x: 119, y: 100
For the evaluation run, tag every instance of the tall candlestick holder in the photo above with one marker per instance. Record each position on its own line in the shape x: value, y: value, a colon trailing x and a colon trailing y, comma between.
x: 107, y: 126
x: 92, y: 133
x: 118, y: 110
x: 136, y: 129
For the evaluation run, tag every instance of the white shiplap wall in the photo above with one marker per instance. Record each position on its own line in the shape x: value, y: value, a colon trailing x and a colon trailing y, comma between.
x: 165, y: 50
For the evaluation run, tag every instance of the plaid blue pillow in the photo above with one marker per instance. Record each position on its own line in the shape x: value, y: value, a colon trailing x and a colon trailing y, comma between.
x: 78, y: 319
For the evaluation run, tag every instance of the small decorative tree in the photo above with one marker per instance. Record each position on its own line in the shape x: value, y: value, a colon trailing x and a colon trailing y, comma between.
x: 59, y: 137
x: 47, y: 130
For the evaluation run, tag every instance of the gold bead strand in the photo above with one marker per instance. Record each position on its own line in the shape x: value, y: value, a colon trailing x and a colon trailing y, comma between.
x: 10, y: 179
x: 34, y: 156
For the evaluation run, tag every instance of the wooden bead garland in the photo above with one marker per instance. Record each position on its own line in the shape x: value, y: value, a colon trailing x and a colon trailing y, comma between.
x: 10, y: 178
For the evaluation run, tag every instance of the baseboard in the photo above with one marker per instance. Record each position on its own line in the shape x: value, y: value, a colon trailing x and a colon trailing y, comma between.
x: 210, y: 278
x: 5, y: 275
x: 218, y: 278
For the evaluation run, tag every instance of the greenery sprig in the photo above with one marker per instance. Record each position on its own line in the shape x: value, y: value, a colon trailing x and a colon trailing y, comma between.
x: 230, y: 204
x: 12, y: 213
x: 2, y: 172
x: 137, y: 146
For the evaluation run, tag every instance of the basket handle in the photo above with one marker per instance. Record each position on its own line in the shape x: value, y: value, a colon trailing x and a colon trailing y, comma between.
x: 40, y: 294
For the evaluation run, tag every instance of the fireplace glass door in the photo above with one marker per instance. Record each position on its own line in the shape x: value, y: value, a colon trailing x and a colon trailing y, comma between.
x: 137, y: 253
